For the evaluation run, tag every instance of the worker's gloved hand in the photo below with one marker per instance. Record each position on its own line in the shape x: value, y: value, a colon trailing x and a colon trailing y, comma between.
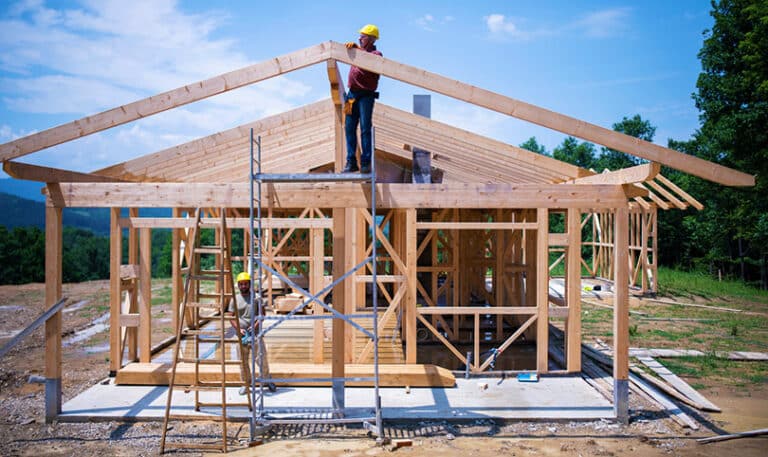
x: 348, y: 106
x: 350, y: 44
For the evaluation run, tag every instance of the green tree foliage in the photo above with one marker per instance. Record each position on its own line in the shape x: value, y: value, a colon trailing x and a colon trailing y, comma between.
x: 633, y: 126
x: 532, y: 145
x: 573, y: 152
x: 733, y: 99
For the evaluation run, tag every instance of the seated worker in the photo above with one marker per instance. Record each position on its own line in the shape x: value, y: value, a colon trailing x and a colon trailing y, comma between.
x: 242, y: 305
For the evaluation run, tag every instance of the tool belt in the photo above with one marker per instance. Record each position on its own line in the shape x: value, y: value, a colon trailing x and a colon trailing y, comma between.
x: 350, y: 97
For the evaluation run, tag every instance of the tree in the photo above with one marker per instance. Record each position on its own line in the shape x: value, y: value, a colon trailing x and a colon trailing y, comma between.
x: 573, y: 152
x: 615, y: 160
x: 733, y: 100
x: 532, y: 145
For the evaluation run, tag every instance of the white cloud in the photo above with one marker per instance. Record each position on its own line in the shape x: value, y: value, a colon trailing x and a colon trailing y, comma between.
x: 603, y: 24
x: 429, y: 22
x: 101, y: 54
x: 597, y: 24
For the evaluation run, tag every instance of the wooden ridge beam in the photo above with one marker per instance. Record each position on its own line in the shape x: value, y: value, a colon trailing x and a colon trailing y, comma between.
x: 640, y: 173
x: 165, y: 101
x: 540, y: 116
x: 341, y: 195
x: 39, y: 173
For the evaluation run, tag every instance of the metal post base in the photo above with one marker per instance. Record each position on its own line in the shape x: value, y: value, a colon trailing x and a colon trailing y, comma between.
x: 621, y: 400
x: 338, y: 397
x: 52, y: 399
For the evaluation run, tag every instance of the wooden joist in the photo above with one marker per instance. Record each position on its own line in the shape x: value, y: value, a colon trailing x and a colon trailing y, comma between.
x: 640, y: 173
x: 38, y: 173
x: 346, y: 195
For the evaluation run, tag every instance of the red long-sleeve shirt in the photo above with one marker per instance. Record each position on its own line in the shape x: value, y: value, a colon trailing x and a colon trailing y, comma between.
x: 360, y: 79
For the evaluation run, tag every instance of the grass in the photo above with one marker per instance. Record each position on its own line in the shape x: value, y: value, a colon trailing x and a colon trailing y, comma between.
x: 706, y: 330
x: 687, y: 284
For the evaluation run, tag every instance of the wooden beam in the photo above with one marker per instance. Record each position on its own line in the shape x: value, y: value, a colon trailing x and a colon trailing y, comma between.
x: 687, y: 197
x: 540, y: 116
x: 53, y: 279
x: 343, y: 195
x: 232, y: 222
x: 640, y: 173
x: 29, y: 172
x: 165, y: 101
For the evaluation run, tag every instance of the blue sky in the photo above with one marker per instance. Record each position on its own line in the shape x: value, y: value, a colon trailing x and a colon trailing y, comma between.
x: 594, y: 60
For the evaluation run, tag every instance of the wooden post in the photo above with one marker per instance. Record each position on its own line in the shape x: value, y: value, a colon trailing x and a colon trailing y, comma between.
x: 115, y: 259
x: 53, y: 278
x: 350, y: 296
x: 621, y: 316
x: 133, y: 259
x: 316, y: 284
x: 411, y: 278
x: 339, y: 300
x: 573, y: 291
x: 145, y: 296
x: 542, y: 290
x: 644, y: 220
x: 176, y: 283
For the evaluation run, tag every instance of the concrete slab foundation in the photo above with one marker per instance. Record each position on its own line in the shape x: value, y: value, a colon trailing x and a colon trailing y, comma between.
x: 552, y: 398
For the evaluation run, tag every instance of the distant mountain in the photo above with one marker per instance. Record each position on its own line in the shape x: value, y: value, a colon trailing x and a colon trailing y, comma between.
x: 24, y: 189
x: 21, y: 212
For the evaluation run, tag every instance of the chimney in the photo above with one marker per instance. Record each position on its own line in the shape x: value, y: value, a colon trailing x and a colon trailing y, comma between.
x: 422, y: 163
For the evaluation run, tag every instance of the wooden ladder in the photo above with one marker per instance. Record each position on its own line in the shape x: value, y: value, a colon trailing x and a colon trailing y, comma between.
x: 207, y: 294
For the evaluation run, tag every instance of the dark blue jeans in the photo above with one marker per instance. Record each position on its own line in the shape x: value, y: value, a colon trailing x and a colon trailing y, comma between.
x: 362, y: 113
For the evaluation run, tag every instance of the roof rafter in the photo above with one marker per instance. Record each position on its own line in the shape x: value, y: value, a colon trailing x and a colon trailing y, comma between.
x: 39, y: 173
x: 165, y: 101
x: 540, y: 116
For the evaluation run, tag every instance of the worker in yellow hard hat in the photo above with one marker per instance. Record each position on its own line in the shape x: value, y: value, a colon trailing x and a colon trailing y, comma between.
x: 242, y: 305
x: 359, y: 102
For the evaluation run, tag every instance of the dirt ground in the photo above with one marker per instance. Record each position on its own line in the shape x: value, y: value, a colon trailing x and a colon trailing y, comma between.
x: 24, y: 432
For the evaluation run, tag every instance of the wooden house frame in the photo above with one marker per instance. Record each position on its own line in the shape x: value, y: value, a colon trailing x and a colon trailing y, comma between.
x: 492, y: 194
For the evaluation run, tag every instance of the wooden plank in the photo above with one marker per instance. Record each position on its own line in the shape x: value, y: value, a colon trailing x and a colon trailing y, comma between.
x: 540, y: 116
x: 339, y: 301
x: 573, y: 291
x: 682, y: 386
x: 542, y: 290
x: 477, y: 310
x: 390, y: 375
x: 53, y: 280
x: 476, y: 226
x: 639, y: 173
x: 166, y: 100
x: 343, y: 195
x: 130, y: 335
x: 145, y: 296
x: 39, y: 173
x: 232, y: 222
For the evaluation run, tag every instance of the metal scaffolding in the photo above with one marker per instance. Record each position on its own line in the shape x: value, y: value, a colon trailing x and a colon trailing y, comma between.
x: 262, y: 417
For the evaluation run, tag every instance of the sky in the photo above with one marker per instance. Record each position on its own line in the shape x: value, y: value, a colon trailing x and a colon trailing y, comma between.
x: 598, y: 61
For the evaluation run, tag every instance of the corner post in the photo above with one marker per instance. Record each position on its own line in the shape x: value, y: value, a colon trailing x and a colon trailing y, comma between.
x: 53, y: 279
x: 621, y: 315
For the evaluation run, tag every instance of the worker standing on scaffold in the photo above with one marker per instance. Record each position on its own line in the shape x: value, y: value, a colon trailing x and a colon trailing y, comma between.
x: 358, y: 104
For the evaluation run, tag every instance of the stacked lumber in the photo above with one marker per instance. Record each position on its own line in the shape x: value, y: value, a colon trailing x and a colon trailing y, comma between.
x: 596, y: 369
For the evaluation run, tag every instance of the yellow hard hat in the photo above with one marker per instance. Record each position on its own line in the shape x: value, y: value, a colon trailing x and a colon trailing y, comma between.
x: 370, y: 30
x: 244, y: 276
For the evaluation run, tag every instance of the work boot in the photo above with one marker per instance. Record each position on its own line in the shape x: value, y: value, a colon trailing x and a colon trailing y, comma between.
x: 350, y: 168
x: 365, y: 168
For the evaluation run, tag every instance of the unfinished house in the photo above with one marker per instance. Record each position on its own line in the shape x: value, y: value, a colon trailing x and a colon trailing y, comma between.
x: 462, y: 226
